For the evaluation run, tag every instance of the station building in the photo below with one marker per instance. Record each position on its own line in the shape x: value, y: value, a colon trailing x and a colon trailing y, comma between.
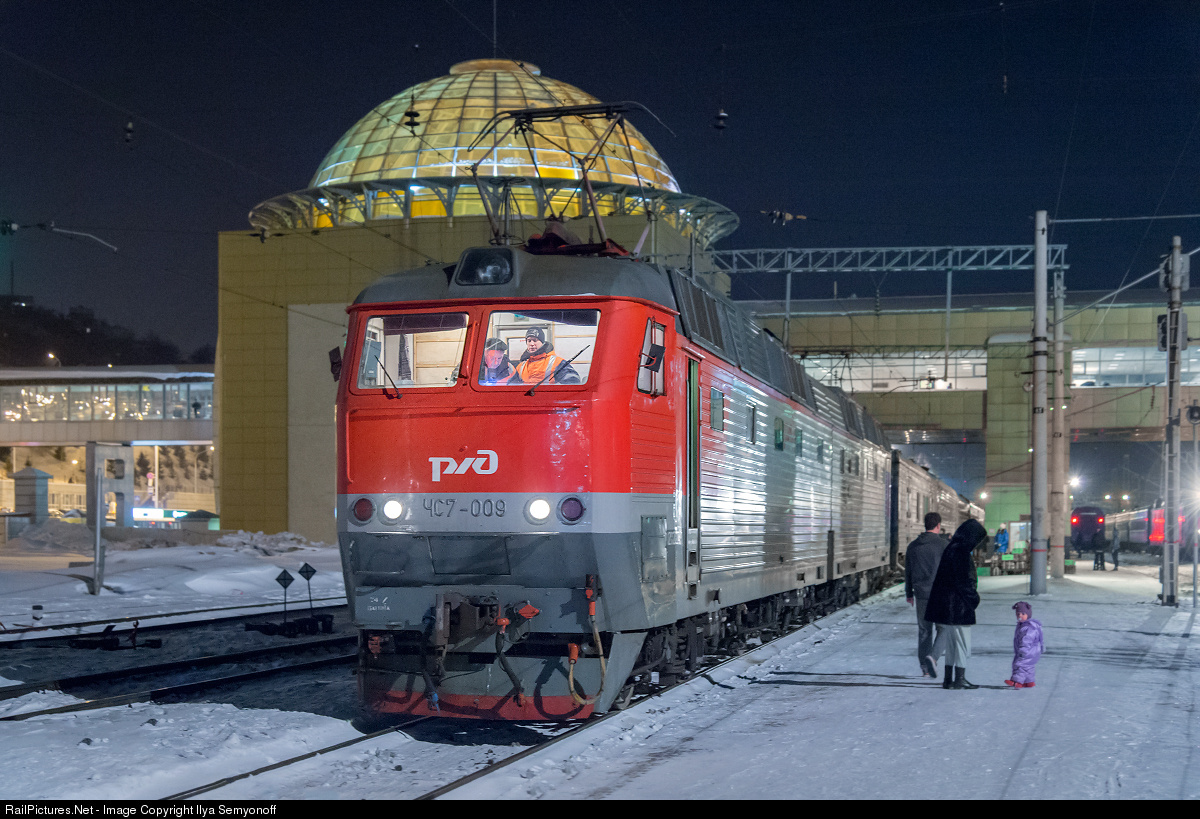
x: 49, y: 414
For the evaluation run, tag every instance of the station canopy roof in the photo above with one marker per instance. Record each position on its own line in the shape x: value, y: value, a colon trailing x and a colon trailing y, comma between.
x: 392, y: 164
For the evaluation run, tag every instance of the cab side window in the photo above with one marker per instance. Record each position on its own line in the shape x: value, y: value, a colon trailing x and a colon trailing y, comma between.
x: 651, y: 378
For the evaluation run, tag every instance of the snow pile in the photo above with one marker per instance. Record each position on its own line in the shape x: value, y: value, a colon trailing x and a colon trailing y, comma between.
x: 53, y: 536
x: 281, y: 543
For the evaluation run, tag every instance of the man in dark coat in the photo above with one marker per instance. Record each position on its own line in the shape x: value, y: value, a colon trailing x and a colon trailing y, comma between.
x: 953, y: 600
x: 920, y: 567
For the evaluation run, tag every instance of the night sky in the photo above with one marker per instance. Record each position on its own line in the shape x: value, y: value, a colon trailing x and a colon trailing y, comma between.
x: 886, y: 124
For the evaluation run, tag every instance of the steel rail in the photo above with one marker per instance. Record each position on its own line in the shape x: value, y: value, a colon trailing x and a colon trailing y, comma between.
x: 184, y: 688
x: 8, y: 692
x: 5, y: 632
x: 220, y: 783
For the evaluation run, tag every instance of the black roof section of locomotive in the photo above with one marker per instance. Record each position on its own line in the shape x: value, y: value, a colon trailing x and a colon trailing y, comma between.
x: 537, y: 276
x: 706, y: 318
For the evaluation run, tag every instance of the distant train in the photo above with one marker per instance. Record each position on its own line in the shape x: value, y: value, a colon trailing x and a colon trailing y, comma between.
x: 1087, y: 529
x: 1145, y: 529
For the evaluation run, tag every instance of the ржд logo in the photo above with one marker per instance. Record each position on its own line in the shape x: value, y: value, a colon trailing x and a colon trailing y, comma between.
x: 482, y: 466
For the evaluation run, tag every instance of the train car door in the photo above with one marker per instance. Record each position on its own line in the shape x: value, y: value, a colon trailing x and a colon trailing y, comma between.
x: 692, y: 479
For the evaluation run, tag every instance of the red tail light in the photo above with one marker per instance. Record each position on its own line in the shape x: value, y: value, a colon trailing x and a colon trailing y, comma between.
x: 1099, y: 520
x: 363, y: 509
x: 1074, y: 520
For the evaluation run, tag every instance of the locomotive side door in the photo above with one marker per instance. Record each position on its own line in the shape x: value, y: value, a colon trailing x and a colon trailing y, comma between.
x: 692, y: 479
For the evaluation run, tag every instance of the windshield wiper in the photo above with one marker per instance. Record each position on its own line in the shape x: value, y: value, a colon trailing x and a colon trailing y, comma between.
x: 389, y: 378
x: 554, y: 372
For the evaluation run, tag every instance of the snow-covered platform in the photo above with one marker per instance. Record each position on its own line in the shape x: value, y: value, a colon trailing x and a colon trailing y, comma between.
x: 840, y: 710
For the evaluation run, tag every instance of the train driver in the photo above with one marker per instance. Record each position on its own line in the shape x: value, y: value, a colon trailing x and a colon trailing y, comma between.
x: 540, y: 359
x: 496, y: 368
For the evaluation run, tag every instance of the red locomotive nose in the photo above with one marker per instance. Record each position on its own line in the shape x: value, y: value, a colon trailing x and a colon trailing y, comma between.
x: 363, y: 509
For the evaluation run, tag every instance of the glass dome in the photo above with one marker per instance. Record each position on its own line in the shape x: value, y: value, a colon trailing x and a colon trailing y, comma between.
x: 452, y: 111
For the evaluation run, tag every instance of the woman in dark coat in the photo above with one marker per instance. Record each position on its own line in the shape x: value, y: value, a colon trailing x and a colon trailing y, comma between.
x: 953, y: 600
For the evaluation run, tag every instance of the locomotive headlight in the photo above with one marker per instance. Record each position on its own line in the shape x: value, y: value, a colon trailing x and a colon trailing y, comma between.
x: 537, y: 510
x: 393, y: 509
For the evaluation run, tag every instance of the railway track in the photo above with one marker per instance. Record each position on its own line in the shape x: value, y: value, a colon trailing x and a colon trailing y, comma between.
x: 488, y: 765
x: 65, y: 631
x: 167, y: 691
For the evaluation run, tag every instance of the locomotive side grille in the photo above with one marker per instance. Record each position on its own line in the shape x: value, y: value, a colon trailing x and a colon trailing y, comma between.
x: 652, y: 451
x: 828, y: 405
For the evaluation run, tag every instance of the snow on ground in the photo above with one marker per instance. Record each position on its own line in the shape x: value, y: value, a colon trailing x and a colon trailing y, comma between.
x: 51, y: 566
x: 837, y: 710
x: 840, y: 710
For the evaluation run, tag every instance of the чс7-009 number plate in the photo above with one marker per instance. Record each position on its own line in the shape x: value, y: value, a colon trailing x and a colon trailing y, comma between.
x: 464, y: 507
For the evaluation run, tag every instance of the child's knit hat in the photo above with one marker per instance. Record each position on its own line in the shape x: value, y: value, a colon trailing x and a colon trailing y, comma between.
x: 1023, y: 608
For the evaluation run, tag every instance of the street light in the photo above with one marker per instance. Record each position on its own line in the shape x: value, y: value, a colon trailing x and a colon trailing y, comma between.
x: 1074, y: 481
x: 54, y: 360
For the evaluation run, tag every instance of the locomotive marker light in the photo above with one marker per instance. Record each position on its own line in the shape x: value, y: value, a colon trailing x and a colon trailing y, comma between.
x: 571, y: 510
x: 363, y: 509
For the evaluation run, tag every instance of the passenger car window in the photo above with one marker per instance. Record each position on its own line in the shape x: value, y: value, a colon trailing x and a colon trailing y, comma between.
x: 415, y: 350
x: 523, y: 347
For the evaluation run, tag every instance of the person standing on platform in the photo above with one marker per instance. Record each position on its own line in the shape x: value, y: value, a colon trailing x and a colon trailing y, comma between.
x: 1002, y: 541
x: 953, y: 600
x: 920, y: 567
x: 1116, y: 547
x: 1027, y: 647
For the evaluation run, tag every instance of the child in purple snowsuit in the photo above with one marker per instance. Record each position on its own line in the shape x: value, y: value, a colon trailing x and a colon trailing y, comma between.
x: 1027, y: 647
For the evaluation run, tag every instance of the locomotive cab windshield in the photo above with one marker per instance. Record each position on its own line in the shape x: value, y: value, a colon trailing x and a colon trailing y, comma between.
x: 413, y: 350
x: 536, y: 347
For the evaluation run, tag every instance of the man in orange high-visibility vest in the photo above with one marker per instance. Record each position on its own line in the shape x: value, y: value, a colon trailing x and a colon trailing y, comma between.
x: 539, y: 359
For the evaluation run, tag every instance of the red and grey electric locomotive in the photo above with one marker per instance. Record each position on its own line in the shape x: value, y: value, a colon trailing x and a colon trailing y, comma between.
x: 563, y: 470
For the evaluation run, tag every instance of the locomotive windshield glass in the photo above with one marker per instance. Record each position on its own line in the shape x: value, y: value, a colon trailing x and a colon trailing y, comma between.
x: 423, y: 350
x: 539, y: 346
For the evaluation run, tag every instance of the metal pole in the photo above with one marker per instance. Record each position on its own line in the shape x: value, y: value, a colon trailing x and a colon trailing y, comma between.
x: 1058, y: 454
x: 946, y: 370
x: 98, y: 554
x: 787, y: 314
x: 1037, y: 570
x: 1194, y: 413
x: 1170, y: 591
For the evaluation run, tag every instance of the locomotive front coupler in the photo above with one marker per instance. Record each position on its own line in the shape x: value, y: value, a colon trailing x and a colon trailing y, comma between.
x: 457, y: 618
